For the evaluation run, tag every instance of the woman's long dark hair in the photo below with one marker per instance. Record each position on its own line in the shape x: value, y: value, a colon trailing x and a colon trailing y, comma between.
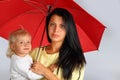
x: 71, y: 54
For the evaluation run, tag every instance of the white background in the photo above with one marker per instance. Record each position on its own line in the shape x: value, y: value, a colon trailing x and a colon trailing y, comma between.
x: 102, y: 64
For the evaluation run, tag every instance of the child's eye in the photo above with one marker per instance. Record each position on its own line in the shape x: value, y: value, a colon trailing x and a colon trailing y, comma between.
x: 21, y: 42
x: 28, y: 42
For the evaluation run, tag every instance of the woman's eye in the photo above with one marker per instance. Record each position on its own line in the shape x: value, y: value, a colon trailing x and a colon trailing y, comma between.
x: 52, y: 24
x: 62, y: 26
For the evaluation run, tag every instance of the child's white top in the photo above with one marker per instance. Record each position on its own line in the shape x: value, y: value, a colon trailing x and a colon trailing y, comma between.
x: 20, y: 68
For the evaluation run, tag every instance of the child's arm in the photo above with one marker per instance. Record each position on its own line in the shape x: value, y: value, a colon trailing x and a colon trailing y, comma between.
x: 23, y: 68
x: 38, y: 68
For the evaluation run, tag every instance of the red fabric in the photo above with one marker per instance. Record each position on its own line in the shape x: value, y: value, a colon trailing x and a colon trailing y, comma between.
x: 31, y: 14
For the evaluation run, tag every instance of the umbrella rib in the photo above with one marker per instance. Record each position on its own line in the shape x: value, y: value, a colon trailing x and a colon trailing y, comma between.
x: 51, y: 6
x: 3, y: 1
x: 91, y: 40
x: 43, y: 10
x: 27, y: 12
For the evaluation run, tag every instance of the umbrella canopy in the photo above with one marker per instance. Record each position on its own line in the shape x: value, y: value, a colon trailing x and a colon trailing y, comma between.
x: 31, y: 15
x: 19, y: 14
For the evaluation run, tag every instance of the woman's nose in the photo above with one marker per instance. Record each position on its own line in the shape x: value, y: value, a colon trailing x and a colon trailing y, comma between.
x: 56, y: 28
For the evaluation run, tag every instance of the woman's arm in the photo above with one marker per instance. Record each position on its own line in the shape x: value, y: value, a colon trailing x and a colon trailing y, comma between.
x: 38, y: 68
x: 78, y: 74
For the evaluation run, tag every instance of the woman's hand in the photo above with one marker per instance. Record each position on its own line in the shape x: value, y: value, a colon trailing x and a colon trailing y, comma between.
x: 52, y: 67
x: 40, y: 69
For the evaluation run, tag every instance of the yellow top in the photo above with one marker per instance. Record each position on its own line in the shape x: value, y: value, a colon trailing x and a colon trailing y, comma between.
x: 48, y: 59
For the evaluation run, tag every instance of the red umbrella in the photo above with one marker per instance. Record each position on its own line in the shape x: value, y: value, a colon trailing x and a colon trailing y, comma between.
x: 31, y: 15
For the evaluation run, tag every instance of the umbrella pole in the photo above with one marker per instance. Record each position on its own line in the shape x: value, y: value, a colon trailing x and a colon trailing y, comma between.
x: 37, y: 55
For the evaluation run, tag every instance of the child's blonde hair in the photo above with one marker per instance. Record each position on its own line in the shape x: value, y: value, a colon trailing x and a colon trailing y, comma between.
x: 12, y: 38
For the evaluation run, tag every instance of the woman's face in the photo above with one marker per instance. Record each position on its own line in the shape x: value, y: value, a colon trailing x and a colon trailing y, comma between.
x: 56, y: 29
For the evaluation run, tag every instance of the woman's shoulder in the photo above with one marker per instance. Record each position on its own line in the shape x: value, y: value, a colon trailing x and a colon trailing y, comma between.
x: 36, y: 50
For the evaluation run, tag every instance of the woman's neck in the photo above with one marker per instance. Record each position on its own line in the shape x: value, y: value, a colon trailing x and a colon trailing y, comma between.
x: 54, y: 47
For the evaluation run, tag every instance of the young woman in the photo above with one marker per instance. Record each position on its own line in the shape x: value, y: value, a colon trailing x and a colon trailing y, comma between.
x: 64, y: 52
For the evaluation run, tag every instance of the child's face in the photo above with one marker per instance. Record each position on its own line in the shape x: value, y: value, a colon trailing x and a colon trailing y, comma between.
x: 22, y: 45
